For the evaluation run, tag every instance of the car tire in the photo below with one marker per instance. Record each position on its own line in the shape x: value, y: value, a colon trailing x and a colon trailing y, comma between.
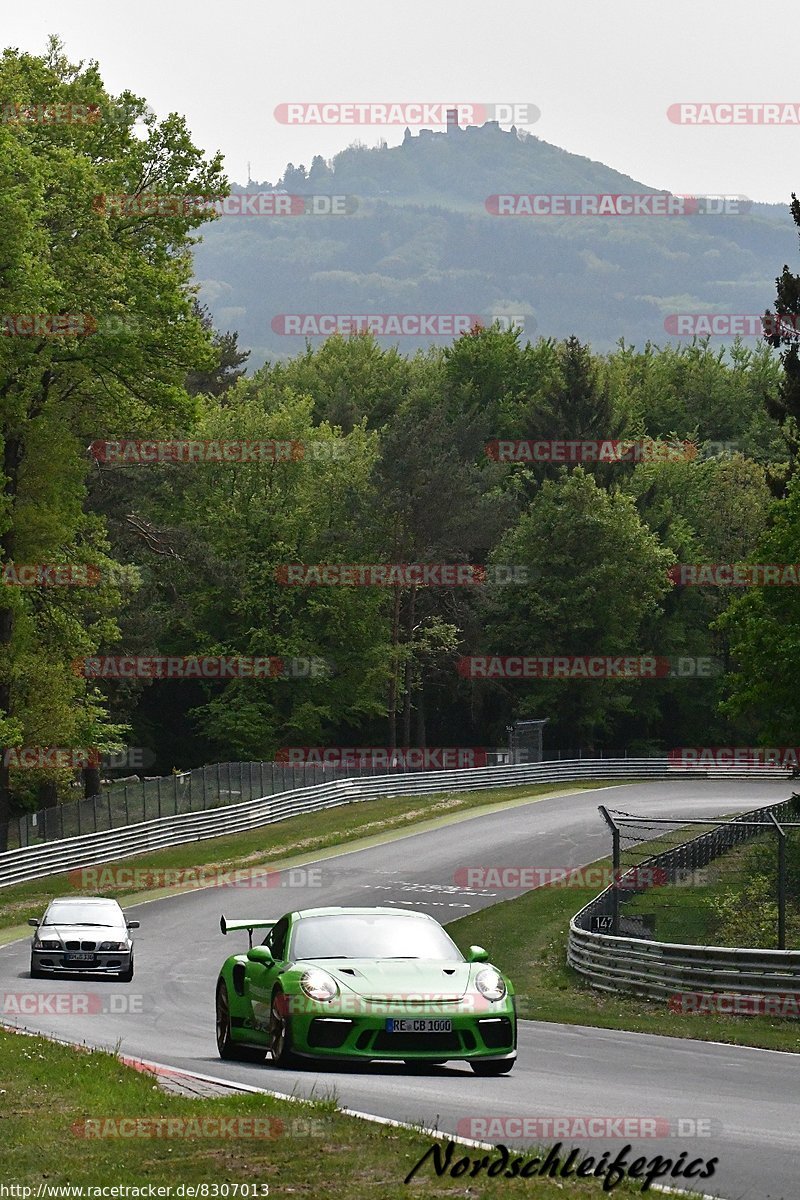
x: 226, y: 1046
x: 36, y: 973
x: 280, y: 1035
x: 497, y: 1066
x: 127, y: 975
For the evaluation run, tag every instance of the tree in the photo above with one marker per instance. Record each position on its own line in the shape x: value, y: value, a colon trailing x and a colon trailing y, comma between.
x: 223, y: 374
x: 124, y: 281
x: 233, y: 527
x: 763, y: 626
x: 597, y: 576
x: 782, y: 330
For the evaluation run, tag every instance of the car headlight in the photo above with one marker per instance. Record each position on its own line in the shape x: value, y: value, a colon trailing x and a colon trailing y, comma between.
x: 47, y: 944
x: 318, y: 985
x: 490, y: 983
x: 113, y: 946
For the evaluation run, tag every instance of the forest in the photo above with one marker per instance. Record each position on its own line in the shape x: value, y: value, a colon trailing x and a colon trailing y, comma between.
x: 162, y: 500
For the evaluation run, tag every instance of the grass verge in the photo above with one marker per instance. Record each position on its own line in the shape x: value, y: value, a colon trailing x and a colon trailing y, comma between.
x: 50, y: 1092
x: 347, y: 827
x: 527, y: 938
x: 735, y: 905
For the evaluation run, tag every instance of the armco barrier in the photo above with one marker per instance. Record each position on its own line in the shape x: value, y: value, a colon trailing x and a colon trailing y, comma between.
x: 35, y: 862
x: 660, y: 970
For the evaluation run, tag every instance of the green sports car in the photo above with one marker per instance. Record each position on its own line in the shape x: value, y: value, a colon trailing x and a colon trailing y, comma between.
x: 363, y: 983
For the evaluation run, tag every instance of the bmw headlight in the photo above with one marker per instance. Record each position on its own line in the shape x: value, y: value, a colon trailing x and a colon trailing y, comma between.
x: 47, y: 944
x: 318, y: 985
x: 490, y: 983
x: 113, y: 946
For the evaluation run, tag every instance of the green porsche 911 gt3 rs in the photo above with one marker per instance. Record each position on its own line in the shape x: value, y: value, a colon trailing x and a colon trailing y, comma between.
x: 363, y: 983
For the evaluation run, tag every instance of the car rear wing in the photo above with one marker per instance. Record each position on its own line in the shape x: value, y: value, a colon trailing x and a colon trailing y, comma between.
x: 229, y: 926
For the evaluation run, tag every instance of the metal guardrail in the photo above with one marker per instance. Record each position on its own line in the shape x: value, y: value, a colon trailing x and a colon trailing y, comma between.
x: 130, y: 802
x: 35, y: 862
x: 659, y: 970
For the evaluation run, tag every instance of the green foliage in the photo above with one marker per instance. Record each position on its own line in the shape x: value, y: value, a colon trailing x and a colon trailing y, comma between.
x: 129, y: 279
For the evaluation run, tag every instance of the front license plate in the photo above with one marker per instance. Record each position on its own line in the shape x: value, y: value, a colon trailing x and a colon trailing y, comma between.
x: 80, y: 956
x: 419, y: 1025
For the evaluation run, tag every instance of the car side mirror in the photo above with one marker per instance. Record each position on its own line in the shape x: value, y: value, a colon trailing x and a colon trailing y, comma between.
x: 260, y: 954
x: 34, y: 921
x: 132, y: 924
x: 477, y: 954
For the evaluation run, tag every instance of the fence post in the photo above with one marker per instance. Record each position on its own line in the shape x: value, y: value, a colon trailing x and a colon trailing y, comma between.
x: 158, y: 794
x: 781, y: 882
x: 615, y: 864
x: 125, y: 794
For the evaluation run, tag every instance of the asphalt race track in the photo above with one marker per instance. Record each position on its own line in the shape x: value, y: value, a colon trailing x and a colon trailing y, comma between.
x: 751, y: 1097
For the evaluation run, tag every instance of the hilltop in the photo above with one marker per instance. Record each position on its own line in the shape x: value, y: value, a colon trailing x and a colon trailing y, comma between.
x: 417, y: 238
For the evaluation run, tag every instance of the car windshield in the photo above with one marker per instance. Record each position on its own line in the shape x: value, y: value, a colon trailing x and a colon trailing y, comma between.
x: 366, y: 936
x: 69, y: 913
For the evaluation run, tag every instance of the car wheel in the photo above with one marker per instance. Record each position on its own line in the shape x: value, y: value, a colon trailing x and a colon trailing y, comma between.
x: 127, y: 975
x: 498, y: 1066
x: 280, y: 1034
x: 227, y: 1047
x: 35, y: 972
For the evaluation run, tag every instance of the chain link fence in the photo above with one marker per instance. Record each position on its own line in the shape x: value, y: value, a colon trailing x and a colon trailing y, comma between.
x: 652, y: 852
x: 130, y: 803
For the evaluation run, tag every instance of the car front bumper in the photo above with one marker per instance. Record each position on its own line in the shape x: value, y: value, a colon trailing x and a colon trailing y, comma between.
x: 327, y: 1033
x: 102, y: 962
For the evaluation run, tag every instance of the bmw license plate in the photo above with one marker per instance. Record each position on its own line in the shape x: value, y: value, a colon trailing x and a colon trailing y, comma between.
x: 80, y: 956
x: 419, y: 1025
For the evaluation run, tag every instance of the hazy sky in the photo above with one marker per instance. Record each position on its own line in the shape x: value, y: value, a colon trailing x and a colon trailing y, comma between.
x: 602, y: 72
